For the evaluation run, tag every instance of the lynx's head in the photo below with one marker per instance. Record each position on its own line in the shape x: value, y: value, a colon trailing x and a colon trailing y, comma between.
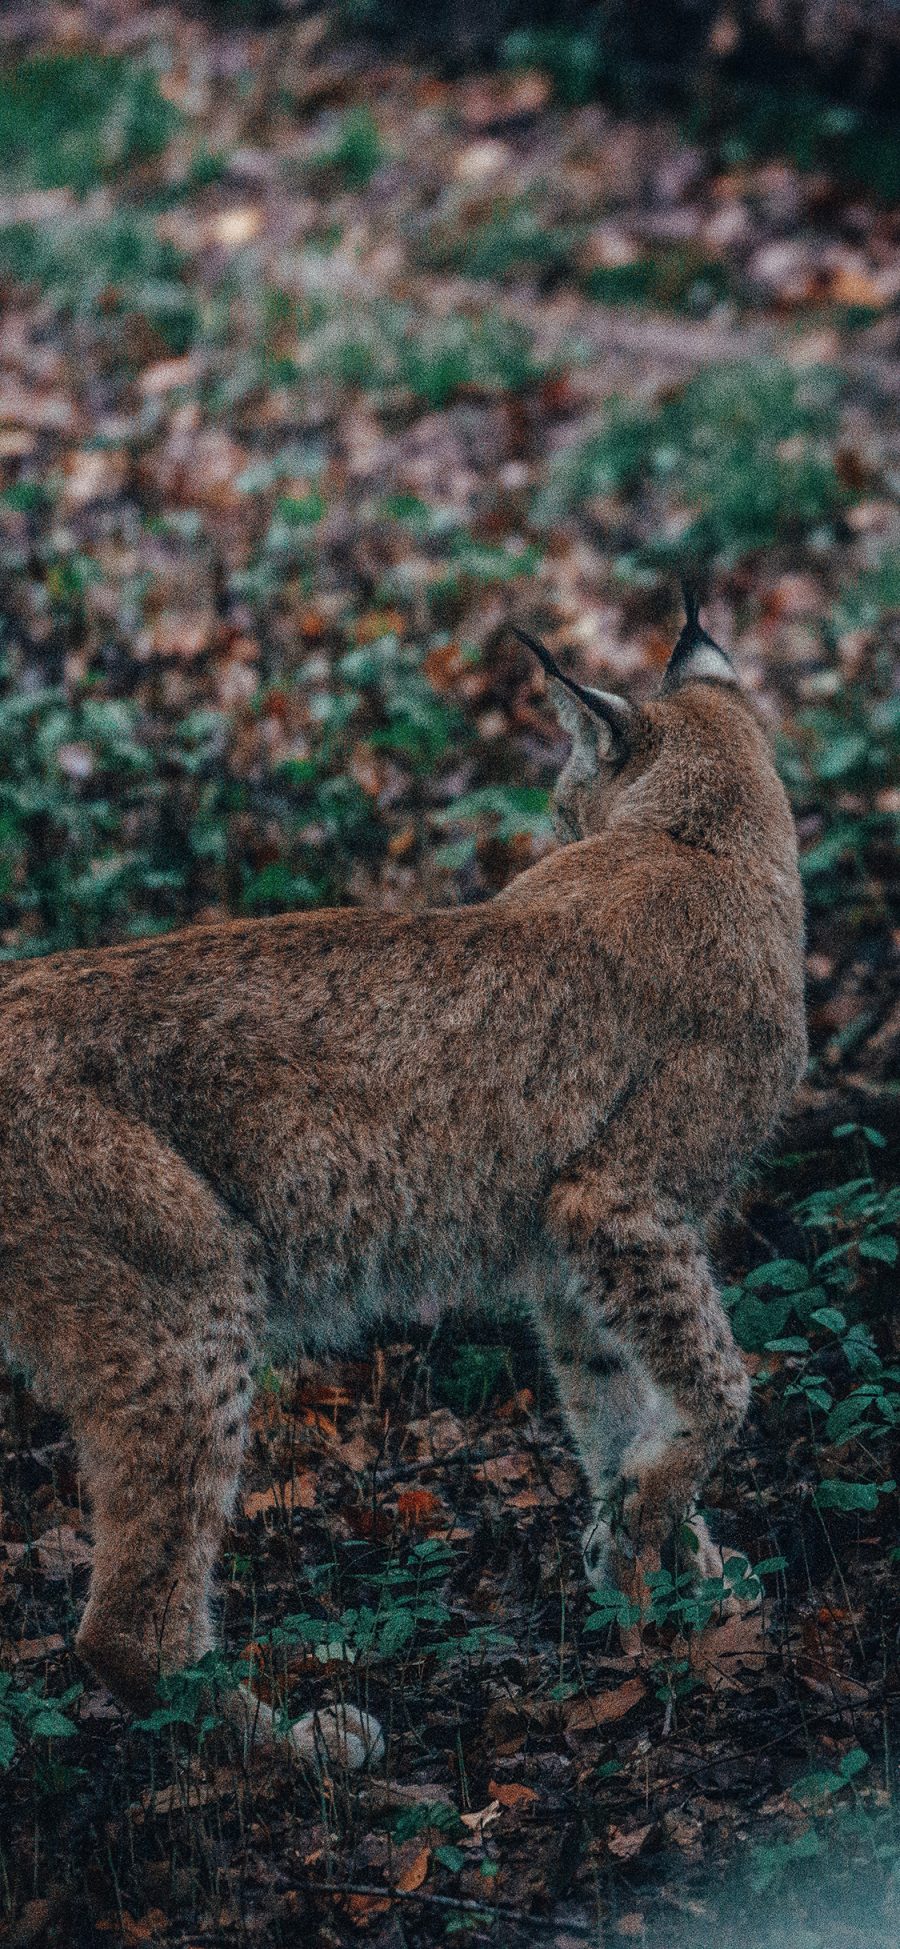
x: 684, y: 763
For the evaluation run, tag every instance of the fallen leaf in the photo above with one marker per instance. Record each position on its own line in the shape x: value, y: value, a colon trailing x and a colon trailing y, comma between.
x: 178, y: 633
x: 511, y: 1793
x: 299, y: 1492
x: 582, y: 1715
x: 485, y: 1815
x: 500, y: 1469
x: 29, y: 1650
x: 517, y: 1407
x: 92, y: 474
x: 358, y: 1453
x: 727, y: 1654
x: 180, y: 1796
x: 418, y: 1506
x: 61, y: 1551
x: 361, y: 1908
x: 76, y: 761
x: 851, y: 284
x: 167, y: 375
x: 413, y: 1876
x: 626, y: 1842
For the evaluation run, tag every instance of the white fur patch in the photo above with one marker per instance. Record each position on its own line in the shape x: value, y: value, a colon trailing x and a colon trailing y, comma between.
x: 662, y: 1426
x: 706, y: 664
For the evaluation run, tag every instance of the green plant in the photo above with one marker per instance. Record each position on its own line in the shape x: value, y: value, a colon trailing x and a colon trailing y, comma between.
x: 27, y: 1714
x: 120, y: 261
x: 358, y: 149
x: 749, y: 123
x: 427, y: 1815
x: 409, y: 1604
x: 680, y: 1600
x: 515, y: 240
x: 508, y: 811
x: 679, y: 279
x: 415, y: 721
x: 63, y: 864
x: 741, y: 454
x: 835, y: 1826
x: 73, y: 119
x: 189, y: 1699
x: 843, y: 754
x: 575, y: 59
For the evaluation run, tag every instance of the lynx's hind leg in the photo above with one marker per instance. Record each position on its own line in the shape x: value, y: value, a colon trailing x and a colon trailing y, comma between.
x: 161, y: 1452
x: 140, y: 1308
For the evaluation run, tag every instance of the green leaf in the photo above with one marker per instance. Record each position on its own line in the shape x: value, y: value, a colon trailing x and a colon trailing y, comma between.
x: 50, y: 1724
x: 881, y: 1247
x: 838, y: 1494
x: 830, y: 1317
x: 786, y: 1275
x: 450, y: 1857
x: 299, y: 510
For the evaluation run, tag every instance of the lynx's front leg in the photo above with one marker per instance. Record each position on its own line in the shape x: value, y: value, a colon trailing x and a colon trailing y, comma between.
x: 641, y: 1302
x: 606, y: 1400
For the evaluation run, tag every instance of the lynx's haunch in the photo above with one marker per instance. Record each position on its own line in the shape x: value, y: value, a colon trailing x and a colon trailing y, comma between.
x: 298, y: 1125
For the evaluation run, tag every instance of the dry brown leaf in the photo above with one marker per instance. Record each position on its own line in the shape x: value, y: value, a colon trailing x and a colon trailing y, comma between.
x: 167, y: 375
x: 416, y: 1506
x: 413, y: 1876
x: 299, y: 1492
x: 726, y: 1655
x: 511, y: 1793
x: 358, y: 1453
x: 500, y: 1469
x: 62, y: 1551
x: 92, y: 474
x: 626, y: 1842
x: 582, y: 1715
x: 851, y: 284
x: 485, y: 1815
x: 179, y: 633
x: 517, y: 1407
x: 29, y: 1650
x: 180, y: 1796
x: 362, y: 1908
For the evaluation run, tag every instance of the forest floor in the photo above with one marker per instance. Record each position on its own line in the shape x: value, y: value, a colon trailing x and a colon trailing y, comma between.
x: 316, y: 370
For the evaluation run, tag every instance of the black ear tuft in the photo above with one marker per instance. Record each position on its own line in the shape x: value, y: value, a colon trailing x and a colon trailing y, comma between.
x: 612, y: 713
x: 696, y: 658
x: 691, y: 610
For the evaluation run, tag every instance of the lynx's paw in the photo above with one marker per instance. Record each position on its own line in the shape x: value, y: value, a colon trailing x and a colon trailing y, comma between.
x: 338, y: 1736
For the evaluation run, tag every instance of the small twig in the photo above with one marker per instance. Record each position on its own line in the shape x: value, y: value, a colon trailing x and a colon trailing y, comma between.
x: 585, y: 1931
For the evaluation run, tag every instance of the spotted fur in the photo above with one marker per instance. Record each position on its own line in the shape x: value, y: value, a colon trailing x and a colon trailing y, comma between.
x: 290, y: 1127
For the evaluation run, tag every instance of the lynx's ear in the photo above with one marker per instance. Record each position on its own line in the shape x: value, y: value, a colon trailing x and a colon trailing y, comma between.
x: 598, y: 721
x: 695, y: 658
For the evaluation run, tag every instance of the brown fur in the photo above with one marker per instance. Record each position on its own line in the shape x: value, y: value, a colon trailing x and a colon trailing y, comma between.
x: 294, y: 1125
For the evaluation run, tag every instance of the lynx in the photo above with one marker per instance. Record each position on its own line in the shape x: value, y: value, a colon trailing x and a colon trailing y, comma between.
x: 296, y: 1125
